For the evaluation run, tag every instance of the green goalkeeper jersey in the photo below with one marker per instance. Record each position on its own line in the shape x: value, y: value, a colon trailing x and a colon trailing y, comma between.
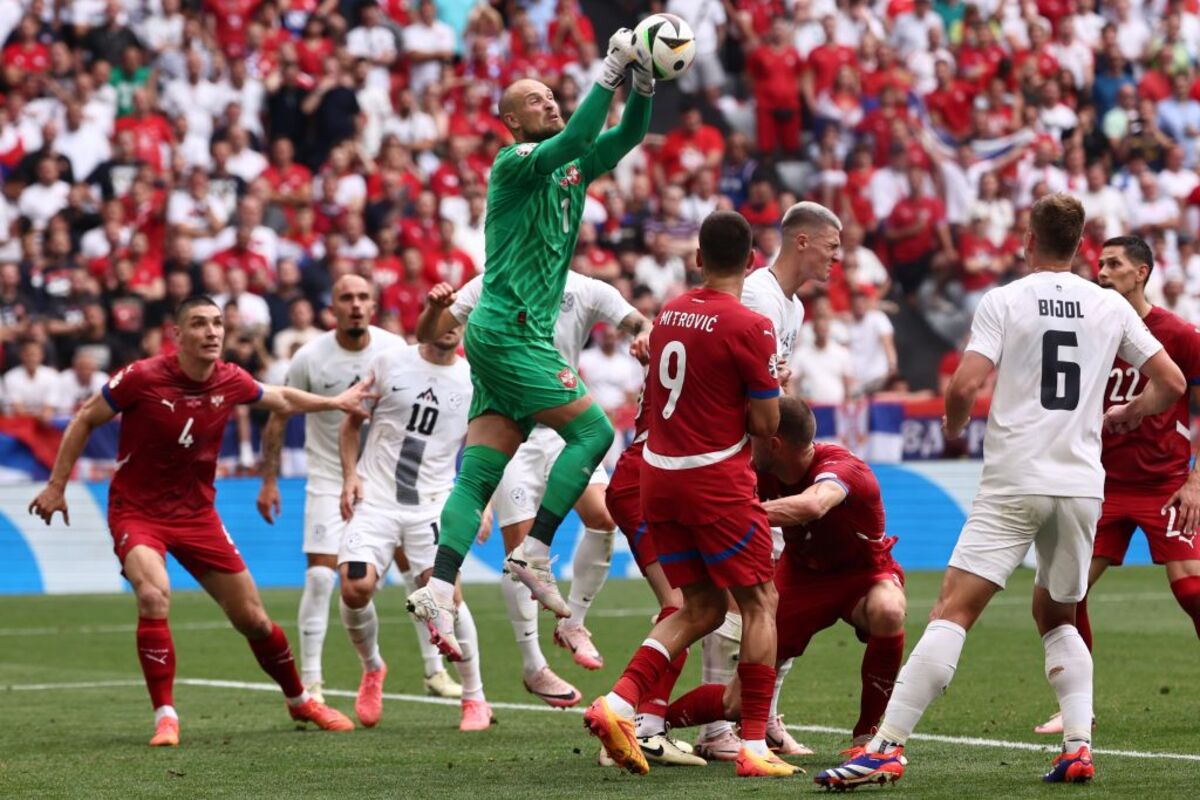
x: 532, y: 224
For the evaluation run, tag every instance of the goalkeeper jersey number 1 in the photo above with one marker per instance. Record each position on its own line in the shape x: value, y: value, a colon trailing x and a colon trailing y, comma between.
x: 532, y: 223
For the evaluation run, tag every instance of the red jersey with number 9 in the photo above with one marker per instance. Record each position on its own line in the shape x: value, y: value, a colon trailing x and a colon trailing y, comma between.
x: 171, y: 431
x: 709, y: 355
x: 1157, y: 452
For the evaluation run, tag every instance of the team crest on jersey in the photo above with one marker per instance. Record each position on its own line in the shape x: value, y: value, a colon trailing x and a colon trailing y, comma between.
x: 216, y: 400
x: 525, y: 148
x: 428, y: 395
x: 454, y: 401
x: 568, y: 379
x: 572, y: 178
x: 568, y: 302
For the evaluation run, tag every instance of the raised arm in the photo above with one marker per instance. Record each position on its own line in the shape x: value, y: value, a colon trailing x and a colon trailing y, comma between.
x: 436, y: 320
x: 575, y: 140
x: 613, y: 144
x: 95, y: 412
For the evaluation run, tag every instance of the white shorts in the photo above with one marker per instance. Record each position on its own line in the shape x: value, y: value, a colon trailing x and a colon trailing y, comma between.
x: 323, y: 524
x: 521, y: 489
x: 998, y: 533
x: 375, y: 532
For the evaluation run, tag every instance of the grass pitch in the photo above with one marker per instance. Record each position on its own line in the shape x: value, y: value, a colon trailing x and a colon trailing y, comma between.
x: 89, y: 741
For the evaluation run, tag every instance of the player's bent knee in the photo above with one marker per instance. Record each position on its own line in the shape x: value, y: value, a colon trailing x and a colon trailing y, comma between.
x: 886, y: 618
x: 153, y: 601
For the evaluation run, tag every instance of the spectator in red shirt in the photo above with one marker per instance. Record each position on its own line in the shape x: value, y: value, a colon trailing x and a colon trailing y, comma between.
x: 983, y: 261
x: 950, y: 103
x: 291, y: 183
x: 27, y: 54
x: 227, y: 20
x: 242, y: 256
x: 447, y: 262
x: 421, y: 230
x: 151, y: 131
x: 689, y: 148
x: 570, y: 29
x: 914, y: 231
x: 825, y: 60
x: 761, y: 206
x: 774, y: 69
x: 314, y: 47
x: 406, y: 297
x: 1036, y: 63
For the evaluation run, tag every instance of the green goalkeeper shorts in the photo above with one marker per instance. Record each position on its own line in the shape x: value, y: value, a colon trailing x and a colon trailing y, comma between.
x: 517, y: 378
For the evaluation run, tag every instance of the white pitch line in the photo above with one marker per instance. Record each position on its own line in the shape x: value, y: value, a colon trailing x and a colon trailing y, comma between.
x: 969, y: 741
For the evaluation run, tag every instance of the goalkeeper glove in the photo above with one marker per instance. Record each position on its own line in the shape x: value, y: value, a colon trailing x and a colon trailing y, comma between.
x: 621, y: 53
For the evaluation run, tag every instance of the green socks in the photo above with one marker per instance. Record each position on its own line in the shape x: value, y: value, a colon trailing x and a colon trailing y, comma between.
x: 480, y: 473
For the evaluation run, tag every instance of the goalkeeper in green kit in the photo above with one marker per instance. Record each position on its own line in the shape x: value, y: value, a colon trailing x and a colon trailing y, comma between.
x: 535, y: 201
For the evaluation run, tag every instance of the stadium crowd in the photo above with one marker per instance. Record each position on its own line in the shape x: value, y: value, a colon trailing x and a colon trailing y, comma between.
x: 255, y: 150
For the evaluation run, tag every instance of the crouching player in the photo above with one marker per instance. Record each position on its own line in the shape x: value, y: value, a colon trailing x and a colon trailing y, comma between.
x: 836, y: 564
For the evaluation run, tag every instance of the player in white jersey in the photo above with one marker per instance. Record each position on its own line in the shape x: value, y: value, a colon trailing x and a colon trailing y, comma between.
x: 771, y: 291
x: 327, y: 365
x: 586, y: 302
x: 1052, y: 337
x: 392, y: 497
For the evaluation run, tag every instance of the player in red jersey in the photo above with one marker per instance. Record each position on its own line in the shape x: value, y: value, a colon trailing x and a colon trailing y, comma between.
x: 1147, y: 480
x: 836, y: 564
x: 174, y: 413
x: 712, y: 385
x: 623, y: 499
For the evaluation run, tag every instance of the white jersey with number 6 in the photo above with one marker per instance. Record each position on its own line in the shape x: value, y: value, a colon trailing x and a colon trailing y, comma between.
x: 417, y: 427
x: 1052, y: 337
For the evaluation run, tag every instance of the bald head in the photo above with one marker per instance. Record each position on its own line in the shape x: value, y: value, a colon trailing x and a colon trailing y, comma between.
x: 529, y: 110
x: 353, y: 306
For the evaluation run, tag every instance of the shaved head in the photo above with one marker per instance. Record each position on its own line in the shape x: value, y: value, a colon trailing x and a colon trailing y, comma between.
x: 528, y: 109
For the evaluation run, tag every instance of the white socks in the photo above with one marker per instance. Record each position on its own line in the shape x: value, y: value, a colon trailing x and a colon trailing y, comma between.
x: 535, y: 548
x: 1069, y: 670
x: 593, y: 557
x: 429, y: 652
x: 164, y: 711
x: 468, y: 668
x: 926, y: 674
x: 362, y: 626
x: 523, y: 614
x: 314, y: 620
x: 443, y: 592
x: 781, y: 672
x: 649, y: 725
x: 720, y: 651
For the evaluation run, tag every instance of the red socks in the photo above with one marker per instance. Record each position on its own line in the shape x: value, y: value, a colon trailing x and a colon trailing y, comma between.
x: 1083, y: 624
x: 758, y: 684
x: 156, y: 651
x: 641, y: 675
x: 274, y: 655
x: 1187, y: 592
x: 704, y: 704
x: 655, y: 701
x: 880, y: 664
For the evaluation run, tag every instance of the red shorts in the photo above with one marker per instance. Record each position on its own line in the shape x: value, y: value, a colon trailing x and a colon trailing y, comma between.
x: 810, y: 602
x: 198, y: 545
x: 1124, y: 511
x: 624, y: 502
x: 733, y: 551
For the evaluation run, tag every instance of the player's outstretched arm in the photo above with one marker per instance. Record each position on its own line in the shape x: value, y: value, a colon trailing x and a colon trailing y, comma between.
x: 968, y: 379
x: 801, y: 509
x: 95, y: 412
x: 575, y: 140
x: 1166, y: 386
x: 288, y: 400
x: 436, y: 320
x: 268, y: 502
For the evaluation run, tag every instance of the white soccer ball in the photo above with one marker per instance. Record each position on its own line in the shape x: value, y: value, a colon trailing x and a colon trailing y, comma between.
x: 670, y: 43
